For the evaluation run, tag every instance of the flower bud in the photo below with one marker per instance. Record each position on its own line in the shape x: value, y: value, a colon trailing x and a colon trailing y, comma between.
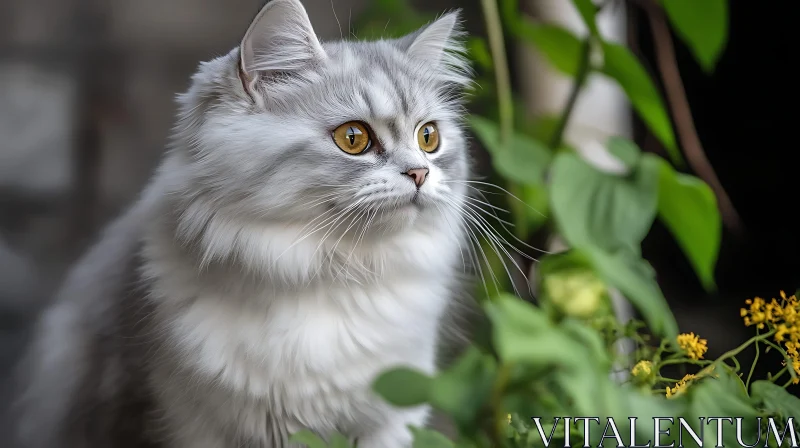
x: 643, y: 373
x: 576, y: 293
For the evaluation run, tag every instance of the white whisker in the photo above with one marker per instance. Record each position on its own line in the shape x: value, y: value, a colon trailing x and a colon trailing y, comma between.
x: 496, y: 243
x: 495, y: 186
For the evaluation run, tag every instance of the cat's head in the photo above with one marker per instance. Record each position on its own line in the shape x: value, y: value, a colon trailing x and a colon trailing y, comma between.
x: 287, y: 128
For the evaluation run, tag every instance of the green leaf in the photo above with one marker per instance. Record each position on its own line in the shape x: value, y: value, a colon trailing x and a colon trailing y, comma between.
x: 389, y: 19
x: 535, y: 208
x: 635, y: 278
x: 525, y: 336
x: 523, y: 333
x: 622, y: 66
x: 716, y: 397
x: 309, y: 439
x: 524, y: 160
x: 591, y: 339
x: 588, y: 11
x: 734, y: 378
x: 702, y: 25
x: 688, y: 208
x: 645, y: 407
x: 479, y: 52
x: 509, y: 11
x: 625, y: 150
x: 339, y: 441
x: 426, y: 438
x: 462, y: 390
x: 775, y: 399
x: 563, y: 262
x: 559, y: 45
x: 403, y: 387
x: 584, y: 385
x: 597, y: 209
x: 543, y: 127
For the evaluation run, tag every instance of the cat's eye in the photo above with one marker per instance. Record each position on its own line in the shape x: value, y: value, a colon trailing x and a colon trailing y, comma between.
x: 428, y: 137
x: 352, y: 138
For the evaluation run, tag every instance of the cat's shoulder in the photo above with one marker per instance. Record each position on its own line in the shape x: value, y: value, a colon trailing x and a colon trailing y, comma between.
x: 73, y: 359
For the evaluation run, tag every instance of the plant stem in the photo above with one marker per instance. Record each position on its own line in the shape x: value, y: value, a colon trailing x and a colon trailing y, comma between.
x: 505, y: 104
x: 499, y: 420
x: 660, y: 351
x: 518, y: 211
x: 752, y: 369
x: 682, y: 113
x: 734, y: 352
x: 786, y: 357
x: 584, y: 68
x: 494, y: 30
x: 666, y: 380
x: 729, y: 354
x: 779, y: 374
x: 683, y: 361
x: 736, y: 363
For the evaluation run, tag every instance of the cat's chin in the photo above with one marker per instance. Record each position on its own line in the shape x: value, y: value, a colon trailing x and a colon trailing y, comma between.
x: 408, y: 211
x: 397, y: 218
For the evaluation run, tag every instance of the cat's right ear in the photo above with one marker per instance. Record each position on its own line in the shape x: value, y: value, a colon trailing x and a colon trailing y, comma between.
x: 280, y: 39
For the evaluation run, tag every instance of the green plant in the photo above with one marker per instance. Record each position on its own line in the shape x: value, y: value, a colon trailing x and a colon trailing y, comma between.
x: 555, y: 359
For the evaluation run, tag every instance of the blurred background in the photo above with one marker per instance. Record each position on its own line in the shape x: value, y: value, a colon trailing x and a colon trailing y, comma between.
x: 86, y: 104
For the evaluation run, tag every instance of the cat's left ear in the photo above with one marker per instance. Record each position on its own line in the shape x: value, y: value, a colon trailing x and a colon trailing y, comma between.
x: 280, y: 39
x: 440, y: 43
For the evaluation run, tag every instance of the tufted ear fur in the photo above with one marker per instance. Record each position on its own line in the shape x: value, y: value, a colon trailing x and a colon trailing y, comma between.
x: 280, y: 39
x: 439, y: 43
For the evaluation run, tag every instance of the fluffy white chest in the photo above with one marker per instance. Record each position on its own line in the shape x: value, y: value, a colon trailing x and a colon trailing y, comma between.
x: 313, y: 356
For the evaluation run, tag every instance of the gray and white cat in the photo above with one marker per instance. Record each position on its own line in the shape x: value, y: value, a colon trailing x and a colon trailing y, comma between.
x: 303, y: 234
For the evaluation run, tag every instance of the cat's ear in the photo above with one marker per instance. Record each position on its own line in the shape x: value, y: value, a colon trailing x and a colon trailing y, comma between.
x: 440, y: 43
x: 280, y: 39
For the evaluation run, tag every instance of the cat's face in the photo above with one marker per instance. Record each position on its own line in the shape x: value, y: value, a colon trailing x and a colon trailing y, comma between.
x: 345, y: 133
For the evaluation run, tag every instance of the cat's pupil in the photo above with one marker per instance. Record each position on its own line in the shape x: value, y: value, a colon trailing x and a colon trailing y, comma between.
x: 351, y: 135
x: 426, y: 134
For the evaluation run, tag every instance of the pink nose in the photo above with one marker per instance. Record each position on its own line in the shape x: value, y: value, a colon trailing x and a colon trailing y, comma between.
x: 418, y: 174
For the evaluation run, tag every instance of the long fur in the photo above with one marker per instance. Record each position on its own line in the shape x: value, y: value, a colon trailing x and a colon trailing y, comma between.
x: 265, y: 277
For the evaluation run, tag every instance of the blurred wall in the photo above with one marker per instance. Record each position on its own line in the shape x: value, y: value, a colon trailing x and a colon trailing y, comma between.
x: 86, y: 103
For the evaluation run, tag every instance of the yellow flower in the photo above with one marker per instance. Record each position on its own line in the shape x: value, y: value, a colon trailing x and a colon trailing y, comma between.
x: 694, y: 347
x: 756, y: 314
x: 781, y: 317
x: 796, y: 367
x: 509, y: 418
x: 682, y: 384
x: 642, y: 369
x: 791, y: 349
x: 780, y: 332
x: 773, y: 313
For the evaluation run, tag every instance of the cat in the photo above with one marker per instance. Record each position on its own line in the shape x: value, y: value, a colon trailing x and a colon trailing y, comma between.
x: 304, y: 232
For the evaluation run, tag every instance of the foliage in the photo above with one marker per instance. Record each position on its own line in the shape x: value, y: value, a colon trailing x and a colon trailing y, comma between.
x: 556, y: 358
x: 702, y: 25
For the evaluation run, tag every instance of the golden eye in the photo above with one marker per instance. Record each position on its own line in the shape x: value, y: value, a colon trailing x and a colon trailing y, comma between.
x: 352, y: 138
x: 428, y: 137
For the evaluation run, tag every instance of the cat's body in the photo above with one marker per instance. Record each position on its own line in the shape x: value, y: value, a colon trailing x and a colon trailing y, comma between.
x: 265, y: 276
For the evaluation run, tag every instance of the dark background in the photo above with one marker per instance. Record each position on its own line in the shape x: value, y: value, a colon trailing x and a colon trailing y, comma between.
x: 747, y: 129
